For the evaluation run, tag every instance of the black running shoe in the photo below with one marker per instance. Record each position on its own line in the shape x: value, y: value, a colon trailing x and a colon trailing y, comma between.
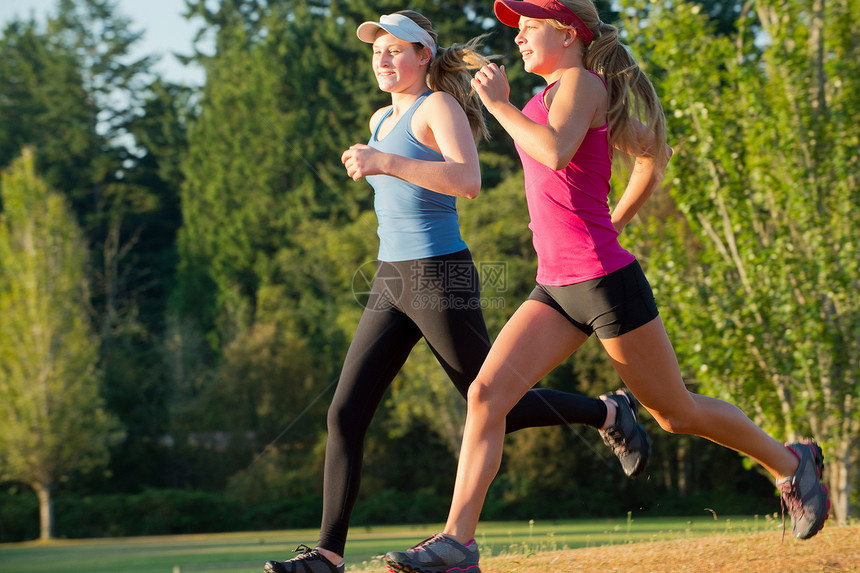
x: 627, y: 438
x: 803, y: 494
x: 437, y: 554
x: 310, y: 561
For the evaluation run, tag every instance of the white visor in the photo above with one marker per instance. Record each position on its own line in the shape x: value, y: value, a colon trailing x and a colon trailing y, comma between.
x: 399, y: 26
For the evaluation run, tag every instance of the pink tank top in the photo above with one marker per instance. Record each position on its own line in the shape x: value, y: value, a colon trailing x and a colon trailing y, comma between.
x: 572, y: 231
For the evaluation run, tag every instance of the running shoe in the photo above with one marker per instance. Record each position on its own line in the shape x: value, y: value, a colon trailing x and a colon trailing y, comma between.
x: 437, y: 554
x: 803, y: 494
x: 627, y: 438
x: 310, y: 561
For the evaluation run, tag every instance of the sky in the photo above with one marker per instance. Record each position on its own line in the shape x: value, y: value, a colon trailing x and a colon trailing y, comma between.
x: 164, y: 30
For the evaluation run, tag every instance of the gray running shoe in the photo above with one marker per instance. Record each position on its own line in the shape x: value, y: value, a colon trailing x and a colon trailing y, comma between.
x: 803, y: 493
x: 310, y: 561
x: 437, y: 554
x: 627, y: 438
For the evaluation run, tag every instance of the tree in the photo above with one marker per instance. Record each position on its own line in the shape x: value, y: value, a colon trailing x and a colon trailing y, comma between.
x: 51, y: 417
x: 110, y: 138
x: 760, y: 269
x: 43, y: 103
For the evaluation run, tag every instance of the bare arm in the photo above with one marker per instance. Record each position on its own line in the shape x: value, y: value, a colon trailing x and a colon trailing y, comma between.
x: 442, y: 120
x: 571, y: 113
x: 645, y: 177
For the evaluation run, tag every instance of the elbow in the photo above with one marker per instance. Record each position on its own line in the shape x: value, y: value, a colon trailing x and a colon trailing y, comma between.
x: 669, y: 153
x: 556, y: 161
x: 472, y: 190
x: 469, y: 187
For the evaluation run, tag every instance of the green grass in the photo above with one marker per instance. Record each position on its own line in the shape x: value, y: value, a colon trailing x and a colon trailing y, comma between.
x: 246, y: 552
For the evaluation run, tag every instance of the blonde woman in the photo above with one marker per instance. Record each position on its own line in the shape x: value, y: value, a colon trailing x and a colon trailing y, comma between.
x: 587, y: 283
x: 422, y: 156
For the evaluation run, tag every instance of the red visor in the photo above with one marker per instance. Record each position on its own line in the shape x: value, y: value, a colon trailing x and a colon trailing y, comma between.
x: 509, y: 11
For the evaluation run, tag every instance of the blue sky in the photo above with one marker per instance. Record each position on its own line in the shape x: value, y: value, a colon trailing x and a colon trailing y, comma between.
x: 165, y: 30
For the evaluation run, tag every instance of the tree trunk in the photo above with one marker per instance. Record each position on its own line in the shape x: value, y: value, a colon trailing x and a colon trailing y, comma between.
x: 840, y: 476
x: 683, y: 469
x: 46, y: 510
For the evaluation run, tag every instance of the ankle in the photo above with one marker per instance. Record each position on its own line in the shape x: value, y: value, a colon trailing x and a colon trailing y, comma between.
x: 790, y: 465
x: 611, y: 411
x: 331, y: 556
x: 461, y: 539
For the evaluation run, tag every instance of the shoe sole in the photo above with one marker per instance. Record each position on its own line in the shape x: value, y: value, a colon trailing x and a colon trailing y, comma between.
x: 634, y: 407
x: 645, y: 457
x: 399, y: 568
x: 818, y: 458
x: 267, y: 568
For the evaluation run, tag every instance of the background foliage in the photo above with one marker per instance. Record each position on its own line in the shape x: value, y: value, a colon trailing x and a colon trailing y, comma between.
x: 224, y: 246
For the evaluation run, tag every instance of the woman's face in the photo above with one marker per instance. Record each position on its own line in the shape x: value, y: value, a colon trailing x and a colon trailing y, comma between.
x: 398, y: 66
x: 541, y: 45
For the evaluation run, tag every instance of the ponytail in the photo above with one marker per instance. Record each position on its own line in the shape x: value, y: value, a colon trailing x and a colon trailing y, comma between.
x: 631, y: 94
x: 449, y: 72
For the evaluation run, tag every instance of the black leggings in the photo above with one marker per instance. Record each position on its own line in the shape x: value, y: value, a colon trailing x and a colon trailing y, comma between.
x: 437, y: 299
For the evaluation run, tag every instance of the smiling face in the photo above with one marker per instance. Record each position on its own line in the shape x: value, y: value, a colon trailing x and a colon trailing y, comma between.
x: 541, y: 45
x: 399, y: 67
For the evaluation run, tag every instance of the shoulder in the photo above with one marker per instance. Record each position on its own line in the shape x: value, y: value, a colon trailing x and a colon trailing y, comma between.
x: 440, y: 113
x: 377, y: 117
x: 577, y: 87
x: 580, y: 78
x: 439, y: 105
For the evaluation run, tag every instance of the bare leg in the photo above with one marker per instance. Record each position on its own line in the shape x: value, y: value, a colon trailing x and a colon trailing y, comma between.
x: 645, y: 360
x: 533, y: 342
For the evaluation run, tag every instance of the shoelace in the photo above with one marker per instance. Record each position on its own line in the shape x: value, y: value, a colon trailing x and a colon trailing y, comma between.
x: 790, y: 499
x: 427, y: 541
x: 307, y: 552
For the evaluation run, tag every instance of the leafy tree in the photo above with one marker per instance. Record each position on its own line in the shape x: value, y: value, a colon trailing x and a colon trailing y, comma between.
x: 52, y: 420
x: 111, y: 139
x: 759, y: 270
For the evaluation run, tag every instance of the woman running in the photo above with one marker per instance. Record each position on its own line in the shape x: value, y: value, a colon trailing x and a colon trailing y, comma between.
x: 422, y: 156
x: 586, y: 282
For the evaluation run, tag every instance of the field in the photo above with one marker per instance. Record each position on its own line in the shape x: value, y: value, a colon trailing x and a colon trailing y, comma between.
x: 701, y: 544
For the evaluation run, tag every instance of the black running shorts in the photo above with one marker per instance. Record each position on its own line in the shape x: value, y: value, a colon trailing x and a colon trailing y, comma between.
x: 608, y: 306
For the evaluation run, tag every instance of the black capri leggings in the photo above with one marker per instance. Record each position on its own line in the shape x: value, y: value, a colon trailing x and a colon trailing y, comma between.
x: 437, y: 299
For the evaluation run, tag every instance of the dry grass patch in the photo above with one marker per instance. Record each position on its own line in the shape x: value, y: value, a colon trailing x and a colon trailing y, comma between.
x: 834, y: 549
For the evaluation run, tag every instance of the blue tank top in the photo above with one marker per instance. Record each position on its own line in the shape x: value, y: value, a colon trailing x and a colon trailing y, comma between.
x: 414, y: 222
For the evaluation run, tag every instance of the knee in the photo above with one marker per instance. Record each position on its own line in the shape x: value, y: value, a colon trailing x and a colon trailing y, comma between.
x: 673, y: 425
x: 342, y: 420
x: 481, y: 397
x: 678, y: 420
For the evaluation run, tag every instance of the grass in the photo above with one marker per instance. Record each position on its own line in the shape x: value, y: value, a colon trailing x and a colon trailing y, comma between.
x: 522, y: 547
x: 835, y: 549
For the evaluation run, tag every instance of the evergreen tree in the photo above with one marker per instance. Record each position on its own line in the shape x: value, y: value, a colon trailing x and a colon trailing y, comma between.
x: 44, y: 104
x: 99, y: 39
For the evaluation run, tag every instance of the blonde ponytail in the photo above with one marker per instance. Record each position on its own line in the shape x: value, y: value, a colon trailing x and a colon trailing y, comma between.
x: 631, y: 94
